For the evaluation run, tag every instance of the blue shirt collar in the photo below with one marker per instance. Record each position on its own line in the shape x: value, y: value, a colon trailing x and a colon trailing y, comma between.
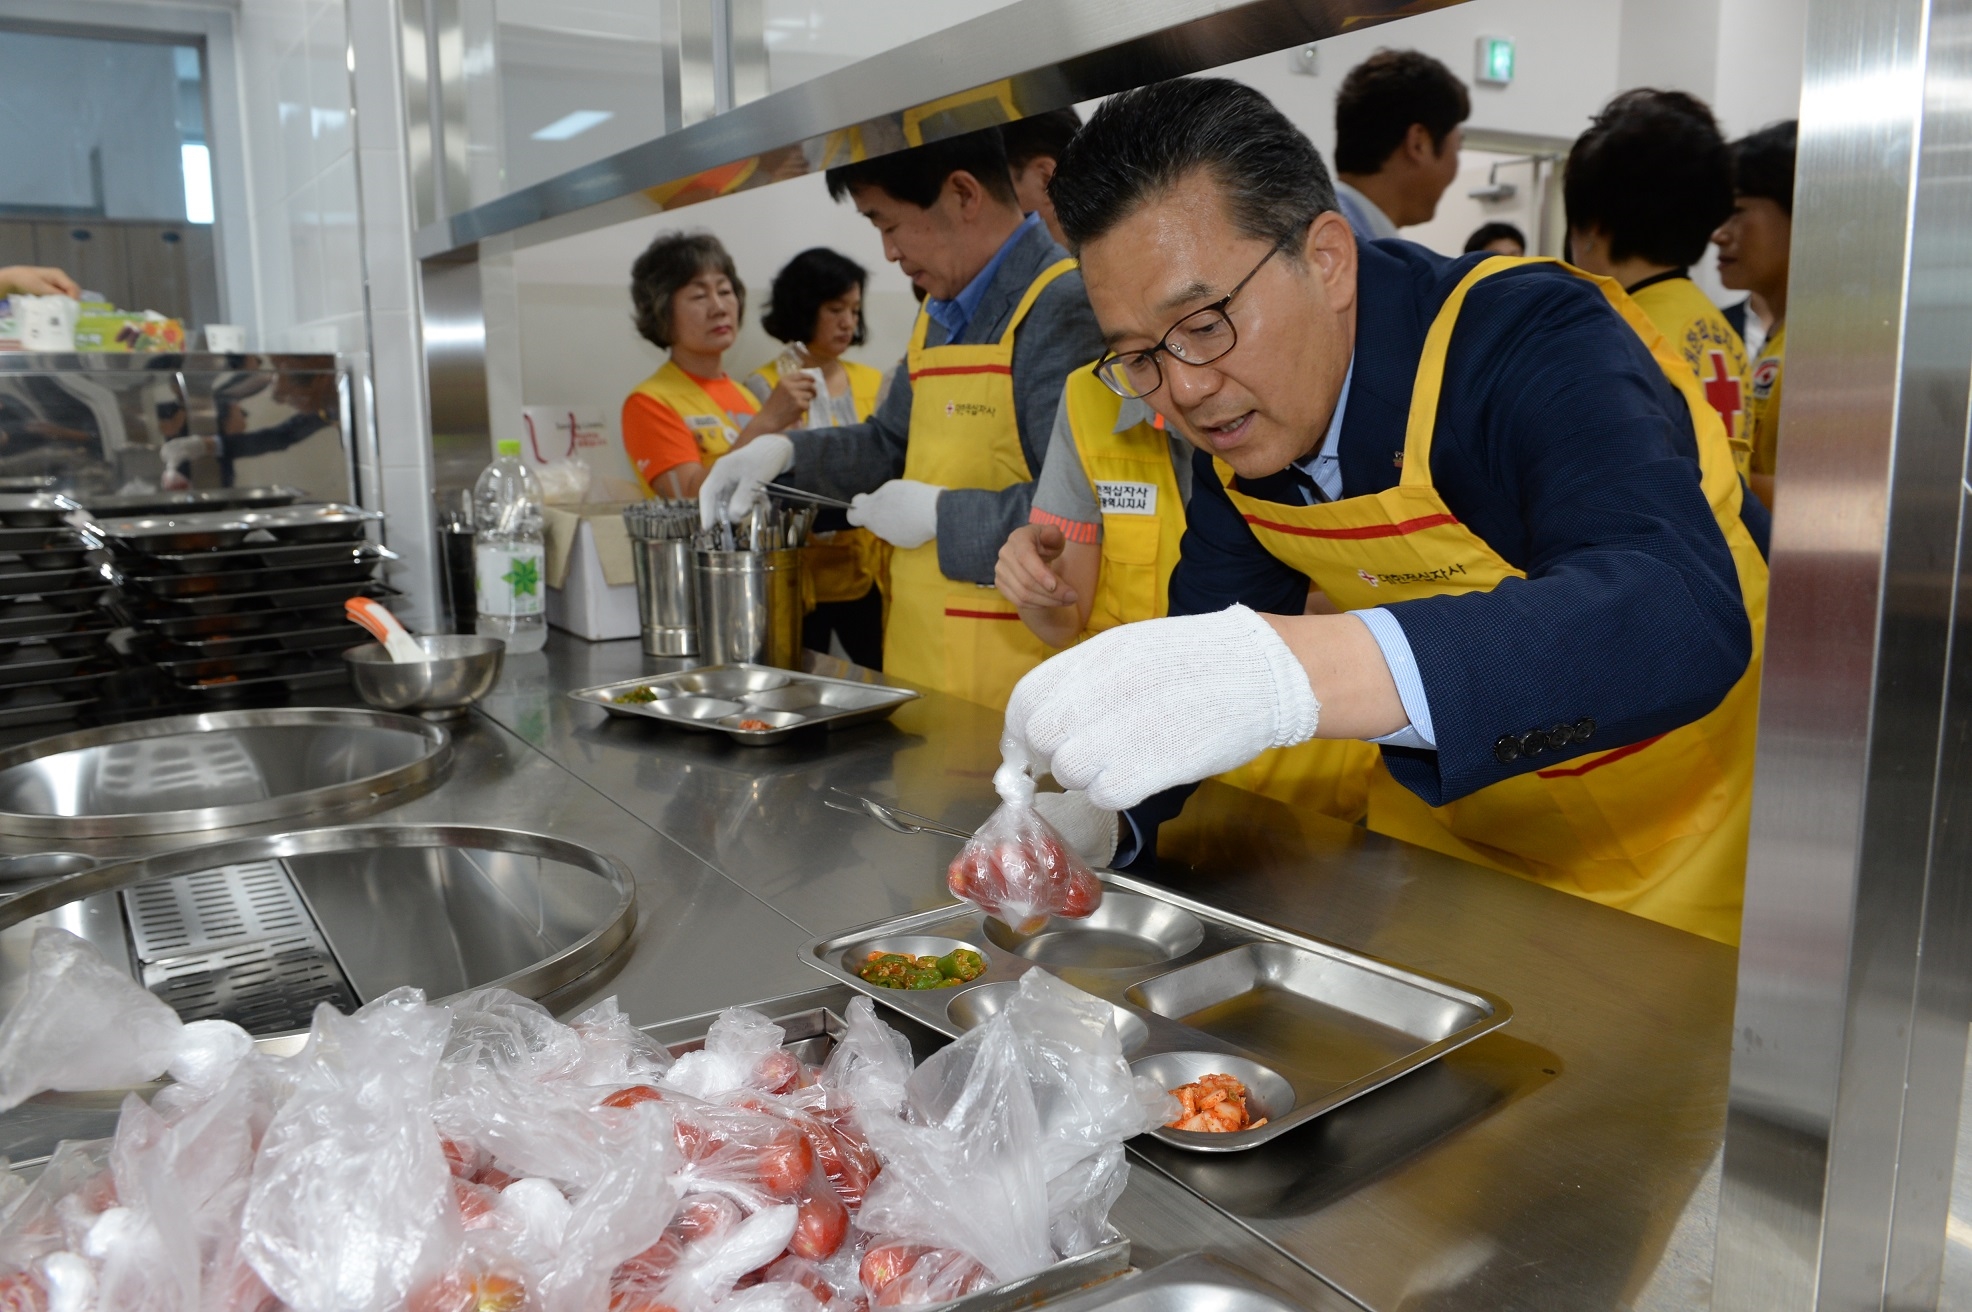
x: 1324, y: 465
x: 956, y: 313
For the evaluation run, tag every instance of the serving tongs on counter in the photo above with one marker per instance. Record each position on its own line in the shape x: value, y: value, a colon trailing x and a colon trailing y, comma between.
x: 890, y: 817
x: 801, y: 494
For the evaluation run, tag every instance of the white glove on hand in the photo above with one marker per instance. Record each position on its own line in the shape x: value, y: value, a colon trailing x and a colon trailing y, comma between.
x: 1092, y: 831
x: 1147, y: 706
x: 902, y: 512
x: 732, y: 485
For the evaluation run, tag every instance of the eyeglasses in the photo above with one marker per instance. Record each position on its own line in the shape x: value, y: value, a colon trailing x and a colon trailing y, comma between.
x: 1199, y: 338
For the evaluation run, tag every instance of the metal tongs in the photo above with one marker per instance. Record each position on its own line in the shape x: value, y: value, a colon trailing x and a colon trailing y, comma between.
x: 799, y: 494
x: 891, y: 817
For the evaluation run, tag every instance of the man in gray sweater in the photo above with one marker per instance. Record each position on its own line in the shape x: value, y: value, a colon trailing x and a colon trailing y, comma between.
x: 944, y: 470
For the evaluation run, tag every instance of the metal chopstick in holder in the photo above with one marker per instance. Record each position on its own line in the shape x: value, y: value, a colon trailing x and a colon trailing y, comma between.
x: 798, y: 494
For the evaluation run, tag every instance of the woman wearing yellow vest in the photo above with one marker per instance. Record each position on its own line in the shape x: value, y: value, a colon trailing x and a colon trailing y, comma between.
x: 816, y: 307
x: 1645, y: 187
x: 1109, y: 512
x: 1507, y: 480
x: 1754, y: 245
x: 689, y: 300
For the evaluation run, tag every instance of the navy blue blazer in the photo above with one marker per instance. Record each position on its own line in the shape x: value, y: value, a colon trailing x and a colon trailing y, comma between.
x: 1563, y: 446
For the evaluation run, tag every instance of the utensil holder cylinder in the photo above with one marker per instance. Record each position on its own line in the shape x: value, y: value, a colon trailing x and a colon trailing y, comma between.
x: 666, y: 605
x: 749, y: 607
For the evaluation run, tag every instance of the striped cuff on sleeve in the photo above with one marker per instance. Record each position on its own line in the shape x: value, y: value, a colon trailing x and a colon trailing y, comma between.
x: 1072, y: 529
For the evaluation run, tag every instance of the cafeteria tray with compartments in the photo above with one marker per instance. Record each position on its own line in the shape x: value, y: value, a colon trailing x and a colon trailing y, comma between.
x: 263, y: 555
x: 219, y: 530
x: 717, y: 698
x: 1306, y: 1025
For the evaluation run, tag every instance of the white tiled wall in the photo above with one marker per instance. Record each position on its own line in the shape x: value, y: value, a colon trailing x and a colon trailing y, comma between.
x: 332, y: 234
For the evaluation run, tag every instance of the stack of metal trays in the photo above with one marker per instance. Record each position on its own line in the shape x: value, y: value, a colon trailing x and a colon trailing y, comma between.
x: 177, y: 503
x: 245, y: 604
x: 54, y: 631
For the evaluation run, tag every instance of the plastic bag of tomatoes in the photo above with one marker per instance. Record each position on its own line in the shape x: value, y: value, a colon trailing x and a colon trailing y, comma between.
x: 1018, y: 868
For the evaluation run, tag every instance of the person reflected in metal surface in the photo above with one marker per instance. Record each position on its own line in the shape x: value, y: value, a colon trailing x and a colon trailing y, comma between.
x: 1034, y: 144
x: 1754, y: 244
x: 34, y: 280
x: 689, y: 301
x: 312, y: 398
x: 1397, y: 139
x: 1549, y: 607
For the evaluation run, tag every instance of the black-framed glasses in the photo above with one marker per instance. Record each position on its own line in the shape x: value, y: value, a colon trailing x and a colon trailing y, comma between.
x: 1199, y: 338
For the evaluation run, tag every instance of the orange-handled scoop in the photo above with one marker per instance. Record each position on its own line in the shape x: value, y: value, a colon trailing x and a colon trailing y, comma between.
x: 384, y: 627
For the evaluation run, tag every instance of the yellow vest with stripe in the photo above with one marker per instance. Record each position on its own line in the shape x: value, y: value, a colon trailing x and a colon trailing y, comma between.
x: 715, y: 427
x: 1697, y: 330
x: 1143, y: 523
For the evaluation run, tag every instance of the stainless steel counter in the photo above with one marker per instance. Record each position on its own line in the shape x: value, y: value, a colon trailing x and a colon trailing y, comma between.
x: 1564, y: 1162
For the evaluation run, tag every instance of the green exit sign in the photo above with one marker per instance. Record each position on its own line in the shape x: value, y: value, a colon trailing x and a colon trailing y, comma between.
x: 1495, y: 60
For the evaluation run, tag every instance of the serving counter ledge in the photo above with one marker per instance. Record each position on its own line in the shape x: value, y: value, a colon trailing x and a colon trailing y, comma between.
x: 1567, y: 1161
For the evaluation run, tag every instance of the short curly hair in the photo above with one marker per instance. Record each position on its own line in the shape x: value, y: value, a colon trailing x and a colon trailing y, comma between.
x: 667, y: 264
x: 803, y: 286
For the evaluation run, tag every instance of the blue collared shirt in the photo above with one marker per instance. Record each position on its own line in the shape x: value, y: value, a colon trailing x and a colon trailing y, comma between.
x: 1325, y: 467
x: 955, y: 314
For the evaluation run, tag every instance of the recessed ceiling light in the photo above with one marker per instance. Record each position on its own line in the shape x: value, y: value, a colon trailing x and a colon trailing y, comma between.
x: 573, y: 125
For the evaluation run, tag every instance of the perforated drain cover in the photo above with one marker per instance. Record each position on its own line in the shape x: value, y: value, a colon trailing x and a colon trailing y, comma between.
x: 235, y: 943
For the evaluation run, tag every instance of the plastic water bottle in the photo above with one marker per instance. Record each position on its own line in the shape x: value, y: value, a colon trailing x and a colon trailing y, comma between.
x: 508, y: 558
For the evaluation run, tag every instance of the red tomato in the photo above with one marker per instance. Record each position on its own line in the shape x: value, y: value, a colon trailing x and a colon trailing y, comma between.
x: 493, y: 1177
x: 797, y: 1271
x: 476, y: 1203
x: 461, y: 1158
x: 633, y: 1095
x: 884, y: 1263
x: 820, y: 1226
x: 785, y: 1163
x: 22, y: 1291
x: 704, y: 1216
x: 1082, y: 897
x: 778, y: 1072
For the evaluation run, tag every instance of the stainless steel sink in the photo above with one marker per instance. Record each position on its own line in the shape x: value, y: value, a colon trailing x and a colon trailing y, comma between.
x: 217, y: 771
x: 261, y: 930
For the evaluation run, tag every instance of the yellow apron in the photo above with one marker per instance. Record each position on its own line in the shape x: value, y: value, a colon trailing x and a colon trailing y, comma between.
x: 715, y: 427
x: 1143, y: 522
x: 841, y: 566
x: 1657, y: 828
x: 959, y: 637
x: 1698, y: 331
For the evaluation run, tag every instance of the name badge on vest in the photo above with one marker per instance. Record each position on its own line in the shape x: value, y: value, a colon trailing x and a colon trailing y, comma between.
x: 1127, y: 498
x: 713, y: 422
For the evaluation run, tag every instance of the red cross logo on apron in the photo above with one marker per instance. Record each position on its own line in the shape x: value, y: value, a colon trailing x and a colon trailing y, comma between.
x: 1722, y: 390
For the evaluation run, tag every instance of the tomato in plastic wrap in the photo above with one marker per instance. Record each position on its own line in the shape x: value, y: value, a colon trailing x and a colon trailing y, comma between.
x: 820, y: 1225
x: 905, y: 1275
x: 794, y: 1270
x: 485, y: 1291
x: 1017, y: 868
x: 779, y: 1072
x: 476, y: 1203
x: 785, y: 1162
x: 22, y: 1291
x: 632, y: 1095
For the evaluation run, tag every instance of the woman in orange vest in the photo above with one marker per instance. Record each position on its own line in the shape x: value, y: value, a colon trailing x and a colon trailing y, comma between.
x: 689, y: 300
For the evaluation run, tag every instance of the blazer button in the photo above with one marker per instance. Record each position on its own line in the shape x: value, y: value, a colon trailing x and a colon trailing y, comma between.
x: 1560, y: 736
x: 1583, y: 728
x: 1533, y: 742
x: 1506, y: 749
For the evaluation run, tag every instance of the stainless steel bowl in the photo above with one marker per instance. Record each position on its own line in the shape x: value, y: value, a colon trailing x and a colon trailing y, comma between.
x: 462, y: 668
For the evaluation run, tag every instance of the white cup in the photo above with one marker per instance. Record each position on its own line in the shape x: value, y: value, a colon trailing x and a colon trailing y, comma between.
x: 47, y: 323
x: 225, y: 338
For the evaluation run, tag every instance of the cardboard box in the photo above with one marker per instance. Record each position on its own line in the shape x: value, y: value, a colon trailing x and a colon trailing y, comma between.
x: 592, y: 590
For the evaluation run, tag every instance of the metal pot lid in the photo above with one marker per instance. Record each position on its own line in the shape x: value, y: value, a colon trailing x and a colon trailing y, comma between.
x: 215, y: 771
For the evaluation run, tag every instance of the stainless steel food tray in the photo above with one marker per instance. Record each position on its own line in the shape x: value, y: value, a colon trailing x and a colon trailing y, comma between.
x: 166, y: 503
x: 265, y: 555
x: 221, y: 529
x: 714, y: 697
x: 36, y: 509
x: 1306, y: 1025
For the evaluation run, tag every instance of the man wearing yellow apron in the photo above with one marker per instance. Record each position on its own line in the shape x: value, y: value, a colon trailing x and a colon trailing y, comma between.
x: 1502, y: 474
x: 1108, y: 516
x: 945, y: 469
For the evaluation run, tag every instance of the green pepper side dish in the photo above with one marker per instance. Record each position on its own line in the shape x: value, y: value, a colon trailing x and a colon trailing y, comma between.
x: 897, y: 970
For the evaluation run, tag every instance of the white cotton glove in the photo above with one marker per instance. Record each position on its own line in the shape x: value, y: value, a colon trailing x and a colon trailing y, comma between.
x: 902, y: 512
x: 1144, y: 707
x: 732, y: 485
x: 180, y: 452
x: 1090, y: 829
